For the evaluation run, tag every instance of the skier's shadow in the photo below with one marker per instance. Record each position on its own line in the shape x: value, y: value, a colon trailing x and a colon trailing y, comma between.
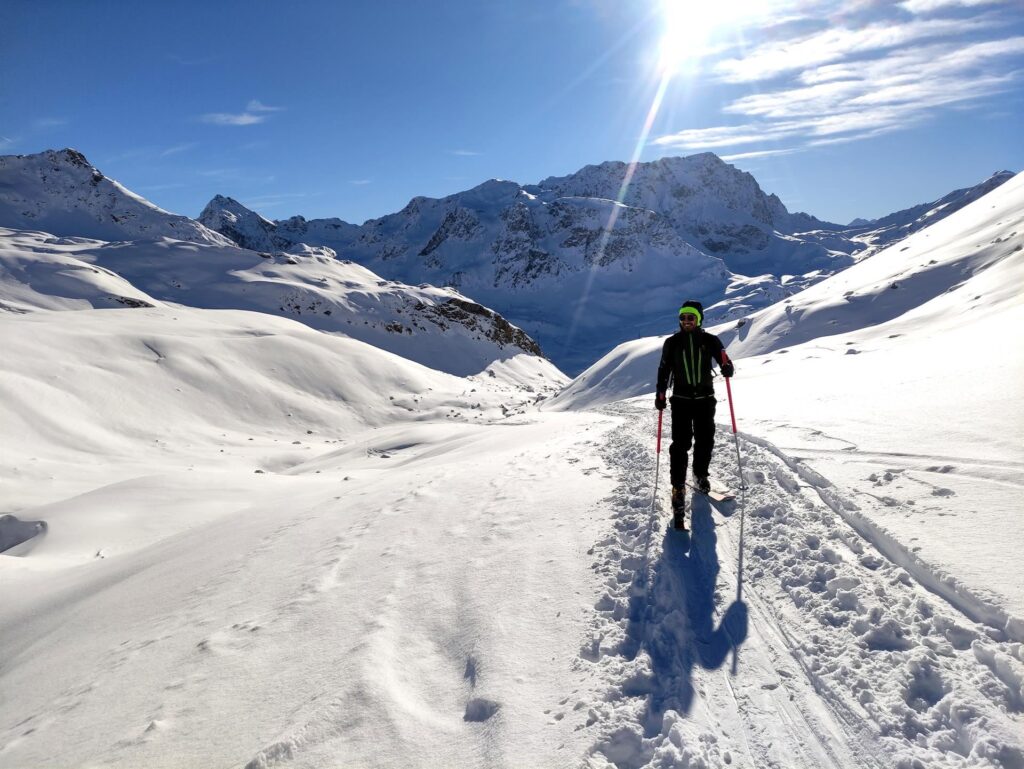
x: 677, y: 624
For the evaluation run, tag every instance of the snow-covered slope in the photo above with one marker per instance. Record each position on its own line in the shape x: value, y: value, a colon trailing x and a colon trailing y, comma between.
x: 879, y: 233
x: 893, y: 377
x: 257, y: 559
x: 126, y: 383
x: 61, y: 193
x: 946, y: 276
x: 951, y: 272
x: 436, y: 327
x: 268, y: 546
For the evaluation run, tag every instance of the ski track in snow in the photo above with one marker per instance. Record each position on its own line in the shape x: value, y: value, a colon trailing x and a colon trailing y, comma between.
x: 836, y: 648
x: 829, y: 646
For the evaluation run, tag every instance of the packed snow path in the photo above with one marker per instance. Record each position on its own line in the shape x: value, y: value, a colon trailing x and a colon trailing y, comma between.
x: 820, y: 650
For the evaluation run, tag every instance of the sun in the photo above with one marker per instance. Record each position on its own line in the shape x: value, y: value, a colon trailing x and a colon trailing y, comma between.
x: 692, y: 26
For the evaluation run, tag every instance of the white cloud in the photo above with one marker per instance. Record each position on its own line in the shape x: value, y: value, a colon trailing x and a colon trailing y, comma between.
x: 927, y: 6
x: 255, y: 112
x: 224, y: 118
x: 728, y: 136
x: 5, y: 142
x: 160, y: 187
x: 464, y: 153
x: 836, y: 44
x: 360, y: 181
x: 759, y: 154
x: 850, y: 83
x: 178, y: 148
x: 273, y: 201
x: 257, y: 106
x: 49, y: 122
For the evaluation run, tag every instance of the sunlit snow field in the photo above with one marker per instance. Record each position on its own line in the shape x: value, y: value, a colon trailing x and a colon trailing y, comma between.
x: 269, y: 545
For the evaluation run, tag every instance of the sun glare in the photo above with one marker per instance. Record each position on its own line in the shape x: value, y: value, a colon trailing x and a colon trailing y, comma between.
x: 691, y: 27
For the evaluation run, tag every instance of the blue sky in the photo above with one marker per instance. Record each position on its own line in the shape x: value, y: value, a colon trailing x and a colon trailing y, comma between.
x: 349, y: 109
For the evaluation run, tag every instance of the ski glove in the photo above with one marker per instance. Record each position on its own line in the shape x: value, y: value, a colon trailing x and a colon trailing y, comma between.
x: 660, y: 402
x: 727, y: 369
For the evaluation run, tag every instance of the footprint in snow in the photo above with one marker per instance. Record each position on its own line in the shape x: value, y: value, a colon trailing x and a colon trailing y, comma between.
x: 480, y: 709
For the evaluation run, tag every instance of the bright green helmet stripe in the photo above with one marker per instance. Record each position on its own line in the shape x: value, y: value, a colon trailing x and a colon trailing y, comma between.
x: 691, y: 311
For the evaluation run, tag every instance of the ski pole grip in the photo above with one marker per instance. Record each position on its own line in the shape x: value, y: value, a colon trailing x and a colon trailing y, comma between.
x: 728, y: 389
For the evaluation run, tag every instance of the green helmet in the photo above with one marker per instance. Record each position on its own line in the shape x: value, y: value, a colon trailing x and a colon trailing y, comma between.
x: 692, y: 307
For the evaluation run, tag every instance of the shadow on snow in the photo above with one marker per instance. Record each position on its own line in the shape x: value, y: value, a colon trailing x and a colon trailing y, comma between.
x: 675, y: 620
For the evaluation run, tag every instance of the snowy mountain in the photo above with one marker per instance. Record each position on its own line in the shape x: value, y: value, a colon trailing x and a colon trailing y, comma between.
x: 61, y: 193
x: 268, y: 546
x: 250, y: 230
x: 147, y: 257
x: 718, y: 209
x: 957, y: 265
x: 436, y: 327
x: 869, y: 357
x: 948, y: 274
x: 547, y: 263
x: 540, y: 254
x: 889, y: 229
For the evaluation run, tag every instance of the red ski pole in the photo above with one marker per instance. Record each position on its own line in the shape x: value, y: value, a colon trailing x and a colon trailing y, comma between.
x: 732, y: 414
x: 657, y: 462
x: 743, y: 516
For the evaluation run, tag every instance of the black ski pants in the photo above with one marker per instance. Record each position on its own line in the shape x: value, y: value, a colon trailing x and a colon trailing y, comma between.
x: 693, y: 421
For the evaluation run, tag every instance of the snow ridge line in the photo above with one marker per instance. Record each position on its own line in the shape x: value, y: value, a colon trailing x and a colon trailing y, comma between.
x: 862, y: 665
x: 894, y: 662
x: 947, y: 586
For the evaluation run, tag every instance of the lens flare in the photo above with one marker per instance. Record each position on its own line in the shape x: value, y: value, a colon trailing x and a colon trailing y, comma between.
x: 692, y: 28
x: 689, y: 29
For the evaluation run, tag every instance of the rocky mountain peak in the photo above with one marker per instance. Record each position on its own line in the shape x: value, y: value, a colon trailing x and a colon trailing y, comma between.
x: 60, y: 192
x: 711, y: 204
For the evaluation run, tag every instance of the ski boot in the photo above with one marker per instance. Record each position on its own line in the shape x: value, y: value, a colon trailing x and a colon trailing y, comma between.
x: 703, y: 484
x: 679, y: 508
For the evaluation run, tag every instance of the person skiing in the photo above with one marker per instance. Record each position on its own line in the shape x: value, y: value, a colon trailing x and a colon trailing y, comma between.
x: 685, y: 363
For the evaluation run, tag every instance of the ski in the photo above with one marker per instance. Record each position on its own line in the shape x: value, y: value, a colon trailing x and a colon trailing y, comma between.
x: 719, y: 494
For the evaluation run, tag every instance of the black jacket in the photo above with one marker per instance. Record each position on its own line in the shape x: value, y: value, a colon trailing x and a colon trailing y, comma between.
x: 686, y: 364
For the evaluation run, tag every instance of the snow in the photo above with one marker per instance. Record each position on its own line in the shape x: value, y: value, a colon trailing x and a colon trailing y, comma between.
x: 863, y: 407
x: 379, y: 599
x: 280, y: 539
x: 59, y: 192
x: 324, y: 293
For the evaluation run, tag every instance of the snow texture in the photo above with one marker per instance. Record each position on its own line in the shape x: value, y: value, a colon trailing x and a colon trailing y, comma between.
x: 281, y: 537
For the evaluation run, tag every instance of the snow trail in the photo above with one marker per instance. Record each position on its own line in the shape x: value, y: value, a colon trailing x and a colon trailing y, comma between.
x: 839, y: 656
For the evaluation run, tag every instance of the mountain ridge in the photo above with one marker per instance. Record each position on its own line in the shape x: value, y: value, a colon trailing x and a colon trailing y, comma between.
x: 60, y: 192
x: 578, y: 271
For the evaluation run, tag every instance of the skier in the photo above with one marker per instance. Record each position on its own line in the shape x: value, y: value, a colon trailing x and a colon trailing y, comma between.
x: 686, y: 363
